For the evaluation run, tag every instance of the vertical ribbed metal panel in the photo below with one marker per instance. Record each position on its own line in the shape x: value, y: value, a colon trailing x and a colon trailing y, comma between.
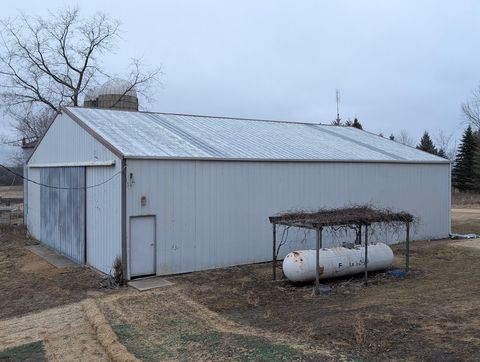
x: 33, y: 213
x: 62, y: 211
x: 25, y: 193
x: 215, y: 213
x: 103, y: 217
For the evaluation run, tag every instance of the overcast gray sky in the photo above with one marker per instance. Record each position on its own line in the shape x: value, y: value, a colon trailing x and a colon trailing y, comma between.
x: 398, y: 64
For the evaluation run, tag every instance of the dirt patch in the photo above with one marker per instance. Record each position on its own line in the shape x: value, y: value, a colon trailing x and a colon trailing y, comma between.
x: 30, y: 284
x: 30, y: 263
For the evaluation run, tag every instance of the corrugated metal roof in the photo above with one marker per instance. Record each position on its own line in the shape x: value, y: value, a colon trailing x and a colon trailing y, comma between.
x: 164, y: 135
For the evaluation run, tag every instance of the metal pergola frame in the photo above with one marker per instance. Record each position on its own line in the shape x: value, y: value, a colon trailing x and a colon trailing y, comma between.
x: 319, y: 220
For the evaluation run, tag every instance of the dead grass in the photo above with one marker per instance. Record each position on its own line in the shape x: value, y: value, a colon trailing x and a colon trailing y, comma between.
x: 63, y: 332
x: 240, y: 314
x: 466, y: 220
x: 433, y: 314
x: 11, y: 191
x: 29, y: 284
x: 465, y: 199
x: 105, y: 335
x: 168, y: 325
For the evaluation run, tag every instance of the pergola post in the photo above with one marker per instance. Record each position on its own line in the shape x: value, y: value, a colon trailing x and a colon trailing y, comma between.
x: 366, y: 254
x: 317, y: 261
x: 407, y: 251
x: 274, y: 252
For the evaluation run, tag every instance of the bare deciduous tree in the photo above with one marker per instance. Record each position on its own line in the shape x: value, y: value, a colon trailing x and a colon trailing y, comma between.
x: 32, y: 123
x: 48, y: 62
x: 404, y: 138
x: 52, y: 60
x: 447, y: 143
x: 471, y: 109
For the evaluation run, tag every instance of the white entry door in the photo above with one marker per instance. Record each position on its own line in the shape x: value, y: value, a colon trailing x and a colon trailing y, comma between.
x: 142, y: 246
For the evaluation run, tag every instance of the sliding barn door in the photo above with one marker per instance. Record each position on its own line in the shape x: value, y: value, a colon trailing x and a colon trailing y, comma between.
x: 62, y: 210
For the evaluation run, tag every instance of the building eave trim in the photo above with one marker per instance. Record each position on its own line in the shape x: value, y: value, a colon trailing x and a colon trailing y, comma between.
x: 442, y: 162
x: 74, y: 164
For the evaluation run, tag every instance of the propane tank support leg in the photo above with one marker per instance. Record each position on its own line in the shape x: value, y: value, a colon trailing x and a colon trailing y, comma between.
x: 407, y: 251
x: 274, y: 253
x: 317, y: 261
x: 366, y: 254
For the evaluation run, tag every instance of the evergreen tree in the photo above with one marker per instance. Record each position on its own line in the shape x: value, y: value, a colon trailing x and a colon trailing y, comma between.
x: 463, y: 171
x: 357, y: 124
x: 426, y: 144
x: 381, y: 135
x: 476, y: 163
x: 441, y: 153
x: 392, y: 137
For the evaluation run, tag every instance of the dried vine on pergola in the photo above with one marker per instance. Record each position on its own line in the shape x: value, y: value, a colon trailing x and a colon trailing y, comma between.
x: 341, y: 219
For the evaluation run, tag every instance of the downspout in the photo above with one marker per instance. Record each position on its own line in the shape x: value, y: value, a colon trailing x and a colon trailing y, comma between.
x: 124, y: 219
x: 450, y: 190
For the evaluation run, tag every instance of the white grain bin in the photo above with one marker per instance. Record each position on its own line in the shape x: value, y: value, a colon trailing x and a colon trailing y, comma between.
x: 299, y: 266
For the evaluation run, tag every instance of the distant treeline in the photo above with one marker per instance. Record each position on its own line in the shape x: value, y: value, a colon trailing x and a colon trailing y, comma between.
x: 9, y: 179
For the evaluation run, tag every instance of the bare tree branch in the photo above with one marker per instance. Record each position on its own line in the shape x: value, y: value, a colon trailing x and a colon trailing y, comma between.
x: 32, y: 122
x: 471, y: 109
x: 140, y: 79
x: 404, y: 138
x: 51, y: 60
x: 447, y: 143
x: 48, y: 62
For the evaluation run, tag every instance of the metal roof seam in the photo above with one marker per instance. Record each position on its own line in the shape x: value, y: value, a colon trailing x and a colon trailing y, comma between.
x: 373, y: 148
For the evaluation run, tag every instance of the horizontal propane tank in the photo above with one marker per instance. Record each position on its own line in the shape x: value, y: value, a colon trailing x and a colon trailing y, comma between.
x: 299, y: 266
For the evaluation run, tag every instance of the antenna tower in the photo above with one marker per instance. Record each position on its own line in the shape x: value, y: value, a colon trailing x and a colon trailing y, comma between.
x: 337, y: 94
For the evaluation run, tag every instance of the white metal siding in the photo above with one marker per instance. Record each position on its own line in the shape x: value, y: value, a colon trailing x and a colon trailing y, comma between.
x: 103, y: 217
x: 215, y: 213
x: 64, y: 142
x: 33, y: 204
